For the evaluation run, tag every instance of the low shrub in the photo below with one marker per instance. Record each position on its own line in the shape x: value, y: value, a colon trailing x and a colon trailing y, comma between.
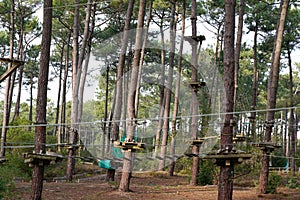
x: 293, y: 183
x: 273, y: 183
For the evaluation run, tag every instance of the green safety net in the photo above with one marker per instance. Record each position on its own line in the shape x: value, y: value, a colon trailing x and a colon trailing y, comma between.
x: 106, y: 164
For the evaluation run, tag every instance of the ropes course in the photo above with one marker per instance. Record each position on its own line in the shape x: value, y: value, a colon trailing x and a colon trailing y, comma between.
x: 109, y: 155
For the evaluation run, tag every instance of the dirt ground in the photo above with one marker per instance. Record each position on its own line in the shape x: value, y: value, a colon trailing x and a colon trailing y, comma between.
x: 145, y: 187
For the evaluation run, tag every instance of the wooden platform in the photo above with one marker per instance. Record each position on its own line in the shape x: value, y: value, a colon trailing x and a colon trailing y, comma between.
x: 42, y: 158
x: 70, y: 146
x: 197, y: 142
x: 228, y: 159
x: 239, y: 138
x: 198, y: 38
x: 266, y: 146
x: 130, y: 146
x: 197, y: 84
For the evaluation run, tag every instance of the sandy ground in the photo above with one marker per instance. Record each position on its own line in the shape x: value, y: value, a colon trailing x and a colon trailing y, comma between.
x: 144, y: 187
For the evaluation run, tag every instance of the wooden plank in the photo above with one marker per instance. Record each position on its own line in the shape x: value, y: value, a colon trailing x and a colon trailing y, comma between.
x: 16, y: 64
x: 197, y: 142
x: 228, y: 156
x: 130, y: 145
x: 239, y: 138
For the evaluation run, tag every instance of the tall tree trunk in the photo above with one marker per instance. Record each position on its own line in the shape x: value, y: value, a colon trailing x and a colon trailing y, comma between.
x: 78, y: 77
x: 272, y: 93
x: 149, y: 17
x: 30, y: 118
x: 292, y: 123
x: 194, y: 100
x: 168, y: 89
x: 127, y: 161
x: 20, y: 56
x: 59, y: 88
x: 7, y: 99
x: 85, y: 53
x: 120, y: 71
x: 281, y: 131
x: 238, y: 51
x: 161, y: 89
x: 254, y: 84
x: 225, y: 186
x: 177, y: 92
x: 105, y: 140
x: 217, y: 57
x: 62, y: 110
x: 75, y: 100
x: 40, y: 131
x: 237, y: 58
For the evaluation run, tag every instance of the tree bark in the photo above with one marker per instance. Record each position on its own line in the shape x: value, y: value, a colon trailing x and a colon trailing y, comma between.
x: 148, y: 21
x: 7, y: 99
x: 225, y: 186
x: 194, y: 100
x: 161, y: 89
x: 20, y: 56
x: 75, y: 100
x: 62, y: 110
x: 168, y: 90
x: 177, y: 92
x: 55, y: 129
x: 40, y: 131
x: 272, y: 93
x: 85, y: 53
x: 120, y: 70
x: 127, y: 161
x: 254, y: 84
x: 238, y: 51
x: 292, y: 123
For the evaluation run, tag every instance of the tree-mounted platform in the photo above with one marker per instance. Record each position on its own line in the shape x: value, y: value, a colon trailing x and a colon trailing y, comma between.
x: 70, y: 146
x: 228, y: 159
x: 197, y: 84
x: 198, y: 38
x: 190, y: 155
x: 130, y: 146
x: 198, y: 142
x: 42, y: 158
x: 266, y: 146
x: 239, y: 138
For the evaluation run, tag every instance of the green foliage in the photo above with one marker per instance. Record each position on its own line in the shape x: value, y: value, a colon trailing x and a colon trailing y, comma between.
x: 297, y: 161
x: 183, y: 166
x: 273, y: 183
x: 161, y: 4
x: 10, y: 170
x: 279, y: 159
x: 56, y: 170
x: 207, y: 171
x: 6, y: 185
x: 13, y: 168
x: 20, y: 136
x: 293, y: 183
